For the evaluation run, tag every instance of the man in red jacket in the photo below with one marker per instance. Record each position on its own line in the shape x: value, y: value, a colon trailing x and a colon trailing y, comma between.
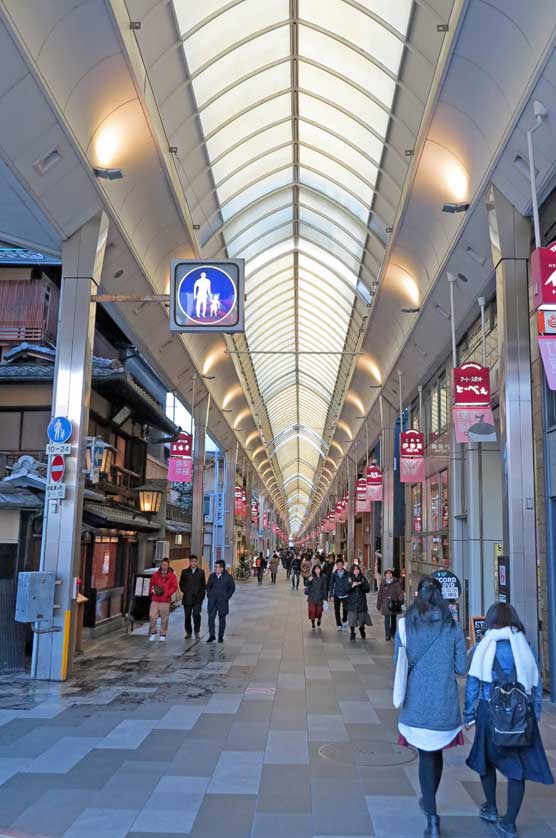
x: 164, y: 585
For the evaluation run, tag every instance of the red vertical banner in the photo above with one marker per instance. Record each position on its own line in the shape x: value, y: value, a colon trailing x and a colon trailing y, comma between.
x: 180, y: 463
x: 255, y: 513
x: 238, y: 505
x: 412, y: 457
x: 374, y: 483
x: 472, y: 413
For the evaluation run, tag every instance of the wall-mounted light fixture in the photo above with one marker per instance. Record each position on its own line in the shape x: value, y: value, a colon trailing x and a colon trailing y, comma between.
x: 461, y: 206
x: 108, y: 173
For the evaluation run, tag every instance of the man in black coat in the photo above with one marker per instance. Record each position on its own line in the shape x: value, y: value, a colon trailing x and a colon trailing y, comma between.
x: 193, y: 585
x: 220, y: 589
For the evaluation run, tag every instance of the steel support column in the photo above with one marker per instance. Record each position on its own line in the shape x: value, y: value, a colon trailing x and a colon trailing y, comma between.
x: 387, y: 443
x: 510, y: 235
x: 350, y: 542
x: 198, y: 489
x: 229, y: 499
x: 82, y: 260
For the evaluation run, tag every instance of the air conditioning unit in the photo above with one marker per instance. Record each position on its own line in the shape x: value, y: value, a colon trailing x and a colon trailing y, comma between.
x: 161, y: 551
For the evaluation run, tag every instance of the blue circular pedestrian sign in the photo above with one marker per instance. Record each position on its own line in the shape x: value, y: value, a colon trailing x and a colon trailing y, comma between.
x: 207, y: 295
x: 59, y: 429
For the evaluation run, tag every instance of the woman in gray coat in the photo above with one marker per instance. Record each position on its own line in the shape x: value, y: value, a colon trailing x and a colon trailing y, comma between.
x: 430, y: 718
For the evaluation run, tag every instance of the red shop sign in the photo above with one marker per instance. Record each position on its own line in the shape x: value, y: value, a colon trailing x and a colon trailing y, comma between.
x: 543, y: 276
x: 182, y: 446
x: 471, y: 385
x: 412, y: 444
x: 374, y: 483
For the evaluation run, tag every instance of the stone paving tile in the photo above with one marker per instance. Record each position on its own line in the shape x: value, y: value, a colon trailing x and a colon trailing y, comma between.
x: 293, y: 735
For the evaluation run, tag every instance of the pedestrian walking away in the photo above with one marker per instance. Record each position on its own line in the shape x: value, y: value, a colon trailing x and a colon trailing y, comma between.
x: 164, y: 585
x: 340, y: 587
x: 274, y: 564
x: 503, y: 673
x: 389, y: 602
x: 220, y: 589
x: 358, y: 612
x: 295, y: 572
x: 430, y: 718
x: 317, y: 594
x: 260, y: 564
x: 193, y: 587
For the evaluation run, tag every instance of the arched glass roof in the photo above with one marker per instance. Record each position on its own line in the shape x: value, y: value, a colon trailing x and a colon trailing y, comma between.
x: 294, y: 99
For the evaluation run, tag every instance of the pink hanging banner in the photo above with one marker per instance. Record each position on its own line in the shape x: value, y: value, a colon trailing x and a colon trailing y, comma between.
x: 374, y: 483
x: 547, y: 346
x: 412, y: 457
x: 362, y: 504
x: 471, y: 385
x: 180, y: 469
x: 473, y: 424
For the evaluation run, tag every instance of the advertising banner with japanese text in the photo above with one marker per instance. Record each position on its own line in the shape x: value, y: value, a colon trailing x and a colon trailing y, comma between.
x: 374, y: 483
x: 543, y: 276
x: 471, y: 385
x: 412, y: 457
x: 180, y: 469
x: 238, y: 501
x: 362, y: 503
x: 547, y: 346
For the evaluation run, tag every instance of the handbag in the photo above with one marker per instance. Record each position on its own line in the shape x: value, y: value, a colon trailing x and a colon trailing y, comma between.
x: 395, y: 606
x: 325, y: 605
x: 403, y: 667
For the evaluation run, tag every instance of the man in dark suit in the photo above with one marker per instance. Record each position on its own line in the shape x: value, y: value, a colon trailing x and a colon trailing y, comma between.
x: 193, y: 586
x: 220, y: 589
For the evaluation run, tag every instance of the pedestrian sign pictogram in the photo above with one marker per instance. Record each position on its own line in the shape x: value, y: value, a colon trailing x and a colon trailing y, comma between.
x: 207, y: 296
x: 59, y: 429
x: 57, y: 468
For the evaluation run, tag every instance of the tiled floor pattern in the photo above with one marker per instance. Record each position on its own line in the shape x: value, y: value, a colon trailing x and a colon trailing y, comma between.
x: 280, y: 731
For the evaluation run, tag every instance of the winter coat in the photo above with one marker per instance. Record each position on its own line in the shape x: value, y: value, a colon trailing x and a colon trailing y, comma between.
x: 340, y: 586
x: 193, y: 586
x: 296, y: 565
x: 274, y: 565
x: 167, y: 581
x: 317, y: 589
x: 220, y: 590
x: 432, y: 696
x: 357, y: 599
x: 306, y: 568
x: 386, y: 592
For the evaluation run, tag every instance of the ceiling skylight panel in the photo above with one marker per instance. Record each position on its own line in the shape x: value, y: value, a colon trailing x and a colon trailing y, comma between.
x: 346, y: 96
x: 240, y: 225
x: 333, y: 213
x: 338, y: 235
x: 267, y: 240
x: 258, y: 229
x: 245, y: 95
x: 335, y: 147
x: 240, y: 62
x: 250, y: 149
x: 277, y: 258
x: 357, y: 28
x: 334, y: 192
x: 308, y: 232
x: 322, y: 49
x: 190, y: 14
x: 255, y: 170
x: 243, y: 20
x: 258, y: 291
x: 330, y: 119
x: 314, y: 253
x: 396, y: 14
x: 255, y: 119
x: 274, y: 181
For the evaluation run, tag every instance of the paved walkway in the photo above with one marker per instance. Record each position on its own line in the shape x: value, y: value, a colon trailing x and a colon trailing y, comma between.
x: 280, y: 731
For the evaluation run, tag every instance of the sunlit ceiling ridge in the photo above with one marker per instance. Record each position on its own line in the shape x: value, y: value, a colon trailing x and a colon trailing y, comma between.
x: 294, y: 99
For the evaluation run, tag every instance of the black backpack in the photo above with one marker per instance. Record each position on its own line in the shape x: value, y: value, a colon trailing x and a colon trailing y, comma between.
x: 511, y: 713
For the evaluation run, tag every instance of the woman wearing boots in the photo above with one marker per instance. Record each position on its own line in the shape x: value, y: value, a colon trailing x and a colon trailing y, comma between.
x: 358, y: 612
x: 389, y: 602
x: 504, y: 657
x: 430, y: 717
x: 317, y: 593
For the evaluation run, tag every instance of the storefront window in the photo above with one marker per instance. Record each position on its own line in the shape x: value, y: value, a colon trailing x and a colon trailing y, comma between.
x: 444, y: 495
x: 417, y: 551
x: 436, y: 549
x: 105, y: 557
x: 435, y: 503
x: 416, y: 507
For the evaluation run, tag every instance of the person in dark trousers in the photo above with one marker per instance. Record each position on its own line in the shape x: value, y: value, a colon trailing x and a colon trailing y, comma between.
x: 220, y: 589
x: 193, y: 587
x: 288, y: 565
x: 317, y: 592
x: 389, y: 602
x: 430, y: 717
x: 260, y: 564
x: 295, y: 572
x: 503, y: 652
x: 274, y: 563
x: 358, y: 611
x: 340, y: 587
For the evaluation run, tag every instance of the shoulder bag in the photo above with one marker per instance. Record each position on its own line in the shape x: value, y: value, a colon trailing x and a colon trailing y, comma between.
x: 403, y: 667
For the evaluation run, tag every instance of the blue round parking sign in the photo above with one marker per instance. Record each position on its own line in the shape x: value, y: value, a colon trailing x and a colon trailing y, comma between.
x: 207, y: 296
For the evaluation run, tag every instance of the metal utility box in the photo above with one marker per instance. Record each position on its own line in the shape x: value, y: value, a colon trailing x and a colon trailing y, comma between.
x: 35, y: 596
